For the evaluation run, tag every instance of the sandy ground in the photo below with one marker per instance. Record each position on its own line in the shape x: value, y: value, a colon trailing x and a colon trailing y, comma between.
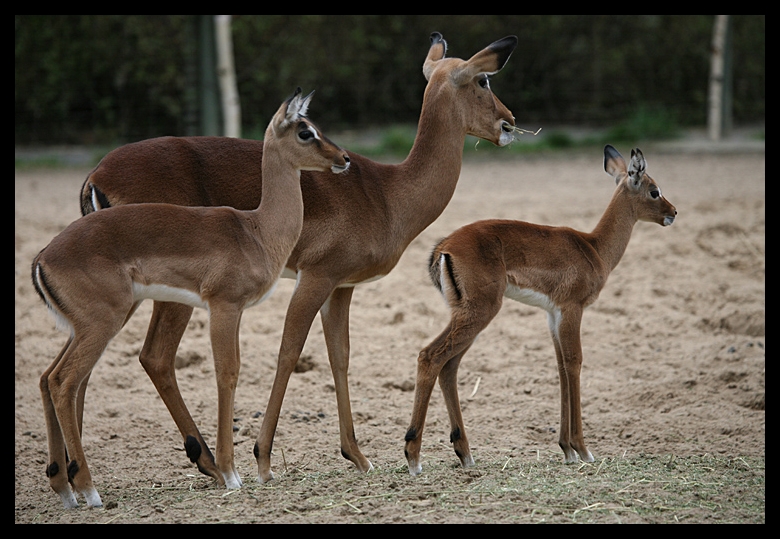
x: 674, y: 347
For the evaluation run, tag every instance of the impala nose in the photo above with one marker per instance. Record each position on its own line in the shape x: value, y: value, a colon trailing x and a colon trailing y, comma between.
x: 338, y: 169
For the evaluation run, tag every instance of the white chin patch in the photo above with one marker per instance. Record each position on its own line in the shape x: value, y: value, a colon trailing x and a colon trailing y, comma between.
x: 506, y: 138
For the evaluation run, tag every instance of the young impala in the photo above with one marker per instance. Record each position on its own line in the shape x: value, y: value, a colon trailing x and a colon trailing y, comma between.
x: 94, y: 274
x: 353, y: 232
x: 556, y: 268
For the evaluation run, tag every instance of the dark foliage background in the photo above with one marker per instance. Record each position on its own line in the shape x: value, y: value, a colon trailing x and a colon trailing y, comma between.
x: 111, y: 79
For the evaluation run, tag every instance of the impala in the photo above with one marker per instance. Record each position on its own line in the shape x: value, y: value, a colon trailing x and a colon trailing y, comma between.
x: 352, y: 233
x: 95, y: 273
x: 558, y: 269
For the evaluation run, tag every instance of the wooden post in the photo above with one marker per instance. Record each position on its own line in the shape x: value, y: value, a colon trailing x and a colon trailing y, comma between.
x: 231, y: 105
x: 720, y: 91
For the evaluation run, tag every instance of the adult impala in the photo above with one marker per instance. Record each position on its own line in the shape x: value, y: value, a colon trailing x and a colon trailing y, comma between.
x: 95, y: 273
x: 352, y: 233
x: 556, y: 268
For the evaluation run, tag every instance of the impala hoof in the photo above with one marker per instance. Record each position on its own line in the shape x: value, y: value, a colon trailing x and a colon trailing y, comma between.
x: 93, y: 498
x: 68, y: 499
x: 232, y: 480
x: 467, y: 461
x: 415, y: 468
x: 268, y: 477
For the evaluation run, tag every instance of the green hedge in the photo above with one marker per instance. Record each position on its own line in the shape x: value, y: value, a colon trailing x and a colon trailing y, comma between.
x: 113, y: 79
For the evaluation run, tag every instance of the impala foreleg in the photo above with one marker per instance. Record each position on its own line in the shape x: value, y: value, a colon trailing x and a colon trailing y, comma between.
x: 308, y: 297
x: 565, y: 329
x: 224, y: 326
x: 335, y: 326
x: 158, y: 358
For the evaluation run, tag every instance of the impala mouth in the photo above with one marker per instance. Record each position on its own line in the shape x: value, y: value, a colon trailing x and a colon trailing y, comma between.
x: 338, y: 169
x: 507, y: 133
x: 668, y: 220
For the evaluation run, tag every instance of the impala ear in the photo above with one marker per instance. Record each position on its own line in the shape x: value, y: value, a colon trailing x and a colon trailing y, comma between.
x: 488, y: 61
x: 437, y: 51
x: 614, y: 164
x: 637, y: 168
x: 298, y: 106
x: 292, y: 110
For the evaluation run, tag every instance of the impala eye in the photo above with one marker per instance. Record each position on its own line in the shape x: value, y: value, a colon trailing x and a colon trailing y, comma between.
x: 655, y: 193
x: 484, y: 82
x: 305, y: 134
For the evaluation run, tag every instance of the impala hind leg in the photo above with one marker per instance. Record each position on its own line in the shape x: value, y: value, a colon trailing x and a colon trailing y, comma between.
x: 57, y: 466
x: 565, y: 329
x: 430, y: 363
x: 448, y: 381
x: 64, y: 385
x: 335, y: 325
x: 158, y: 358
x: 445, y: 353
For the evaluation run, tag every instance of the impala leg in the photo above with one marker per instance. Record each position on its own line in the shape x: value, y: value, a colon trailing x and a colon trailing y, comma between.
x: 470, y: 314
x: 158, y: 358
x: 448, y: 347
x: 65, y: 382
x: 80, y: 400
x: 335, y: 325
x: 56, y: 469
x: 565, y: 331
x: 448, y: 381
x: 224, y: 322
x: 309, y: 295
x: 430, y: 362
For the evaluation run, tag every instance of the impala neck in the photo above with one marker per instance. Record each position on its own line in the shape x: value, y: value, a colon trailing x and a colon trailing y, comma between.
x: 613, y: 231
x: 279, y: 217
x: 425, y: 182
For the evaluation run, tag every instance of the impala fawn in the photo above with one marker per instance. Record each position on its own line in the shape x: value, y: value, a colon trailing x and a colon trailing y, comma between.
x: 556, y: 268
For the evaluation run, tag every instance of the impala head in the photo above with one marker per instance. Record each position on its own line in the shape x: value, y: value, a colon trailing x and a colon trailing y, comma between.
x: 468, y: 85
x: 643, y: 190
x: 312, y: 150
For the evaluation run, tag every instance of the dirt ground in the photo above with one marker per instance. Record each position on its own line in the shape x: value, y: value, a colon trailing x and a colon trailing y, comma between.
x: 674, y: 358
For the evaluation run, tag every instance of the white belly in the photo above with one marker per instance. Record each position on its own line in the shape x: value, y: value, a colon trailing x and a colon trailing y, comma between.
x: 287, y: 273
x: 537, y: 299
x: 530, y: 297
x: 162, y: 292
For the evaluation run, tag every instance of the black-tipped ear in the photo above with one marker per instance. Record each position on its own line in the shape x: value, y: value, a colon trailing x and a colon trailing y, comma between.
x: 504, y: 47
x: 437, y: 38
x: 614, y: 164
x: 611, y: 153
